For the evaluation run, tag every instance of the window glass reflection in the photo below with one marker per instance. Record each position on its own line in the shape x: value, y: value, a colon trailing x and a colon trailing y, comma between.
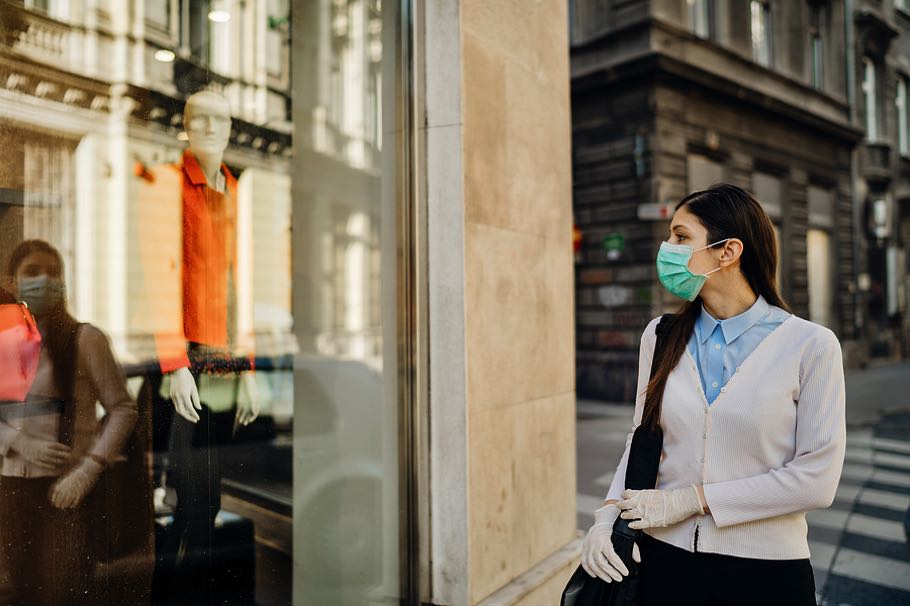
x: 199, y: 303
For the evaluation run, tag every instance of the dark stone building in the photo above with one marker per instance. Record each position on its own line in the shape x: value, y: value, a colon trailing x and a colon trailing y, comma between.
x: 670, y: 96
x: 882, y: 73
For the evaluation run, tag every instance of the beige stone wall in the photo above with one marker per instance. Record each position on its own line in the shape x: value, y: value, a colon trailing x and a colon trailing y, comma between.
x: 518, y: 292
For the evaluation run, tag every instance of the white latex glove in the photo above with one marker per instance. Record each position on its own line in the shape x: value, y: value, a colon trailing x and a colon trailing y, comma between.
x: 70, y: 490
x: 658, y: 508
x: 185, y: 395
x: 248, y: 408
x: 598, y: 557
x: 43, y: 453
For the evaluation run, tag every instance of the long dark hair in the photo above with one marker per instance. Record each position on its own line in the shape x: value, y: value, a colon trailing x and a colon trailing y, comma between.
x: 726, y: 211
x: 60, y: 332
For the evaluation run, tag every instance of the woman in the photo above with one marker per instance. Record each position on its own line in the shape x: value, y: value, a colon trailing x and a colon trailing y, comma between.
x: 53, y: 453
x: 750, y: 399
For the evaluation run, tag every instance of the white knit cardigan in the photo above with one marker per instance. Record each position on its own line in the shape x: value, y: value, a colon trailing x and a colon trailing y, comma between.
x: 768, y: 449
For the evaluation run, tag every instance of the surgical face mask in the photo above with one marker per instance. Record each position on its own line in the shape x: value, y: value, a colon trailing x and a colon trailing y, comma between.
x: 674, y: 273
x: 41, y: 293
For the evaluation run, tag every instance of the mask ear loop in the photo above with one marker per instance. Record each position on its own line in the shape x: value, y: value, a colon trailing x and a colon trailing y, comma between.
x: 709, y: 246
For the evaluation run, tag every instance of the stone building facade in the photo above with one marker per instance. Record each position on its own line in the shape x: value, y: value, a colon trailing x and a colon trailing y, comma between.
x: 881, y: 70
x: 670, y: 96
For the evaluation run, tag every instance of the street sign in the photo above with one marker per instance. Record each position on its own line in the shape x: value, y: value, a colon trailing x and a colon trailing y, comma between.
x: 656, y: 211
x: 613, y: 244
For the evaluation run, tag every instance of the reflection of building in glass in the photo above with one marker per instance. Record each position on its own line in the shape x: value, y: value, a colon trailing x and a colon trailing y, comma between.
x: 338, y: 131
x: 88, y: 94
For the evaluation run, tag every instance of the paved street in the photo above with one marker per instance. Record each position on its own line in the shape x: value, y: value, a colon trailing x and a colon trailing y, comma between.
x: 860, y: 552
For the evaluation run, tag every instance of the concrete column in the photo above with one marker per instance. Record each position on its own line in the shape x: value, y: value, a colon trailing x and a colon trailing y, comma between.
x: 501, y: 301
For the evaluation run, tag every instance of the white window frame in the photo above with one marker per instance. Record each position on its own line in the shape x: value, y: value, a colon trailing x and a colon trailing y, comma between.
x: 817, y: 46
x: 700, y: 17
x: 903, y: 114
x: 762, y: 32
x: 870, y: 99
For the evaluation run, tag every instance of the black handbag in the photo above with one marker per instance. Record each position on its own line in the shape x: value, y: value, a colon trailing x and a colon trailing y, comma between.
x: 641, y: 474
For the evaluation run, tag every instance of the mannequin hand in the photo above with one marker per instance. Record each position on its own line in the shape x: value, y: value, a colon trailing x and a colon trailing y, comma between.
x: 70, y: 490
x: 598, y: 557
x: 185, y: 395
x: 657, y: 508
x: 44, y: 453
x: 248, y: 409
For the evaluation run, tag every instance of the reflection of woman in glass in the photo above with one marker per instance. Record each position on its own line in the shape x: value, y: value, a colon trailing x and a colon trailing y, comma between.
x: 53, y: 452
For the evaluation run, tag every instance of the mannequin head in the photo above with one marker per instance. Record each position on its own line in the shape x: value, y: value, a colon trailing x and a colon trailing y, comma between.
x: 207, y: 121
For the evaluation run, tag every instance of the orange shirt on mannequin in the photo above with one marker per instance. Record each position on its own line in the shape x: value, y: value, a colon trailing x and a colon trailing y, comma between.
x: 208, y: 255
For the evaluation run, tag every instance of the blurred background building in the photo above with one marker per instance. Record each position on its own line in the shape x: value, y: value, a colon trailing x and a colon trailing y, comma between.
x: 802, y: 103
x: 404, y: 272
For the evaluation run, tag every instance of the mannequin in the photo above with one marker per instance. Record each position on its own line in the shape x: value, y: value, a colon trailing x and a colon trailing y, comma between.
x: 188, y: 231
x: 187, y: 219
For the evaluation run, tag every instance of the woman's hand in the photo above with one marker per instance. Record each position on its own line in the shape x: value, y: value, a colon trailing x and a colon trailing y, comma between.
x: 70, y: 490
x: 43, y: 453
x: 658, y: 508
x: 598, y: 557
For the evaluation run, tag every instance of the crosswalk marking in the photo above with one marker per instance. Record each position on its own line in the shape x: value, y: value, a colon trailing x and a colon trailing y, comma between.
x: 606, y: 479
x: 892, y: 477
x: 893, y: 445
x: 857, y: 471
x: 834, y: 519
x: 822, y: 555
x: 872, y: 569
x: 585, y: 503
x: 890, y: 500
x: 893, y: 460
x: 875, y: 527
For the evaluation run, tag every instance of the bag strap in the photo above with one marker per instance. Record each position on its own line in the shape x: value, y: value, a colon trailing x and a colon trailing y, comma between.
x: 647, y: 445
x: 68, y: 414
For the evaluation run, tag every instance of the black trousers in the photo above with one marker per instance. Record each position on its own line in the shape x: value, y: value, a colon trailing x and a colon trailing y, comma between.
x: 670, y: 575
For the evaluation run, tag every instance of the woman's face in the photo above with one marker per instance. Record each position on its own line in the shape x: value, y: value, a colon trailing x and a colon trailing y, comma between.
x: 39, y: 284
x: 36, y: 264
x: 685, y: 228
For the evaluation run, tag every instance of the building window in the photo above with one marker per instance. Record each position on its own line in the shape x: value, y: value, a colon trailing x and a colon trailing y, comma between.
x: 195, y: 33
x: 159, y: 13
x: 702, y: 173
x: 820, y: 256
x: 903, y: 116
x: 761, y: 32
x: 769, y: 191
x: 869, y: 99
x: 817, y: 45
x: 701, y: 17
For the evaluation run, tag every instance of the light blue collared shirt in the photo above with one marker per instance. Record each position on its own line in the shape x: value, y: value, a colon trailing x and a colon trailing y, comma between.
x: 720, y: 346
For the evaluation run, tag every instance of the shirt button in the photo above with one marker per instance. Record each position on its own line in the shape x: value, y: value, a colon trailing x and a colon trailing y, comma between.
x: 723, y: 389
x: 705, y: 435
x: 702, y: 482
x: 717, y: 346
x: 714, y: 384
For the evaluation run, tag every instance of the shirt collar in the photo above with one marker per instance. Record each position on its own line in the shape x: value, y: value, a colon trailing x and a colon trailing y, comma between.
x: 733, y: 327
x: 194, y: 171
